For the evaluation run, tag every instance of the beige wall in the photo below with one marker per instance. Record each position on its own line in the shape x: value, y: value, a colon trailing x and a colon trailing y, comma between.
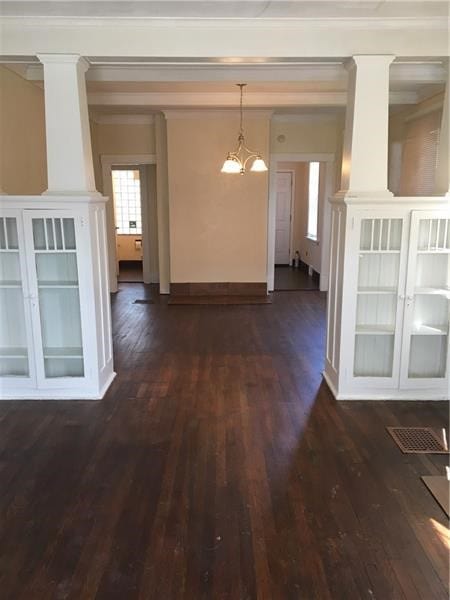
x: 126, y: 248
x: 218, y: 222
x: 126, y: 139
x: 309, y: 133
x: 23, y: 164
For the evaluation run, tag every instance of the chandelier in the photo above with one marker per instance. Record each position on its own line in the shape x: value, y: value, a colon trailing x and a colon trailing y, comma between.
x: 236, y: 161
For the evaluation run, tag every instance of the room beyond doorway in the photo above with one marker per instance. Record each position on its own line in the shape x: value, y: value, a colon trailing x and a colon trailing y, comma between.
x: 297, y: 257
x: 288, y: 278
x: 126, y: 182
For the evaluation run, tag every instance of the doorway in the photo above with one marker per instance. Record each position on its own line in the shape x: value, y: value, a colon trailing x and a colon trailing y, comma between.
x: 127, y: 194
x: 299, y: 221
x: 297, y: 251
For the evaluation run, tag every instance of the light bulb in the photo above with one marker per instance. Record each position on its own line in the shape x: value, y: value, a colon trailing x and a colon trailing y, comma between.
x: 258, y: 165
x: 231, y: 165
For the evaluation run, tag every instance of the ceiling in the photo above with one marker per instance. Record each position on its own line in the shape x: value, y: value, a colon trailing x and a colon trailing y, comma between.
x: 219, y: 9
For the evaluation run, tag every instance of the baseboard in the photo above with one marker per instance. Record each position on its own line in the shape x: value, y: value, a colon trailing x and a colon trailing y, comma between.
x: 219, y: 289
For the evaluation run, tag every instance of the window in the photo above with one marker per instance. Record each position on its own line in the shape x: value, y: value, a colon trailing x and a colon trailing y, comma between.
x: 127, y: 201
x: 313, y: 200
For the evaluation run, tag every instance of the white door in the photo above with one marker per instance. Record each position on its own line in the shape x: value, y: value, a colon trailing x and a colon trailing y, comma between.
x: 283, y: 218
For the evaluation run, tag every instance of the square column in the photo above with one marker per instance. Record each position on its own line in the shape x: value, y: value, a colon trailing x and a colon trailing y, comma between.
x: 365, y: 152
x: 69, y: 153
x: 442, y: 181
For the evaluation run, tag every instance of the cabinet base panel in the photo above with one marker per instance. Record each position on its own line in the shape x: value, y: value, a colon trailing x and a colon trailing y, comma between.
x: 57, y: 394
x: 403, y: 395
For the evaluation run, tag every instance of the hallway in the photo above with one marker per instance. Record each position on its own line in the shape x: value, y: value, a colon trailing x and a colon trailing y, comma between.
x: 217, y: 466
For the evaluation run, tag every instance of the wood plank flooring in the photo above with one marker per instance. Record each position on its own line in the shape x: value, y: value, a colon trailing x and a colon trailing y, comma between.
x: 218, y: 466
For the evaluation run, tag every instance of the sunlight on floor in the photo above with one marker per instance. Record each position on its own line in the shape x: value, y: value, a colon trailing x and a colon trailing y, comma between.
x: 443, y: 532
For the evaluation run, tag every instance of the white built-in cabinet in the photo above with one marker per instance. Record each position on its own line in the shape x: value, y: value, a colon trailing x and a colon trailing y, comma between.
x: 389, y: 299
x: 55, y: 323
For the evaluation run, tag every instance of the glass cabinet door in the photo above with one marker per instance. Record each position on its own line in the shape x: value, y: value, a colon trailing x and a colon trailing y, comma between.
x: 56, y: 271
x: 428, y: 300
x: 14, y: 359
x: 377, y: 312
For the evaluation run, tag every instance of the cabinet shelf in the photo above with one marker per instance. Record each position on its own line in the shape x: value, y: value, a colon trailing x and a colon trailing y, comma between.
x: 432, y: 291
x: 10, y: 283
x: 429, y: 330
x: 375, y: 329
x: 379, y: 251
x: 377, y: 290
x: 13, y: 352
x: 63, y: 353
x: 58, y: 284
x: 435, y: 251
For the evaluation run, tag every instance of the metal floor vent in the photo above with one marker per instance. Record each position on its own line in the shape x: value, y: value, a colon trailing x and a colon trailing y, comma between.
x: 143, y: 301
x: 419, y: 440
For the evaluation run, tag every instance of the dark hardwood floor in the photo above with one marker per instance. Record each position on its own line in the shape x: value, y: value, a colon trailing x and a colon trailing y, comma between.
x: 218, y: 466
x: 288, y: 279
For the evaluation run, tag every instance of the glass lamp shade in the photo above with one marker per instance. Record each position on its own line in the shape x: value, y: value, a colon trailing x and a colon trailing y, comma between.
x: 258, y: 165
x: 231, y: 166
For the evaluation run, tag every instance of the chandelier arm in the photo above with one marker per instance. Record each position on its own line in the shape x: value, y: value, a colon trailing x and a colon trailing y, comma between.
x: 250, y: 156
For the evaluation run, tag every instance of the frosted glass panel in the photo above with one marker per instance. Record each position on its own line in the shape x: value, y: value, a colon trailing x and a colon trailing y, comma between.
x: 376, y: 310
x: 39, y: 234
x: 59, y: 300
x: 428, y: 356
x: 11, y: 233
x: 378, y: 271
x: 58, y: 268
x: 374, y: 355
x: 434, y: 234
x: 431, y: 310
x: 433, y: 270
x: 10, y: 268
x: 69, y: 234
x: 13, y: 338
x: 61, y: 330
x: 381, y: 235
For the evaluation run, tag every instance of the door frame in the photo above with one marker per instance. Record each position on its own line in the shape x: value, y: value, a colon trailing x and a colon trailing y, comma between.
x: 292, y: 209
x: 109, y: 161
x: 329, y: 160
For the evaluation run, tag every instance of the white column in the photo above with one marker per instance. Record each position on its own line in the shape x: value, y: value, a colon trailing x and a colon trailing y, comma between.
x: 365, y: 153
x: 69, y: 153
x: 442, y: 181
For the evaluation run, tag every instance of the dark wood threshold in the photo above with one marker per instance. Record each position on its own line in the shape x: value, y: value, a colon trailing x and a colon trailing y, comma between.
x: 222, y: 289
x: 219, y: 300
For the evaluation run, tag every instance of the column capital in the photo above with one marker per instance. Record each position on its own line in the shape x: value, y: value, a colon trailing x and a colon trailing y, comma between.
x: 61, y: 59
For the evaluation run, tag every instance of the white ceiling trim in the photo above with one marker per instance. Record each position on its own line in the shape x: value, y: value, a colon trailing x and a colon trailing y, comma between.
x: 229, y: 100
x: 423, y: 72
x: 122, y: 119
x: 353, y: 23
x: 192, y: 113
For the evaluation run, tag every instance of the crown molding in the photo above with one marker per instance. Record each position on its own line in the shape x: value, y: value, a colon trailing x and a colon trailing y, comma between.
x: 305, y: 118
x: 166, y: 100
x: 358, y: 23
